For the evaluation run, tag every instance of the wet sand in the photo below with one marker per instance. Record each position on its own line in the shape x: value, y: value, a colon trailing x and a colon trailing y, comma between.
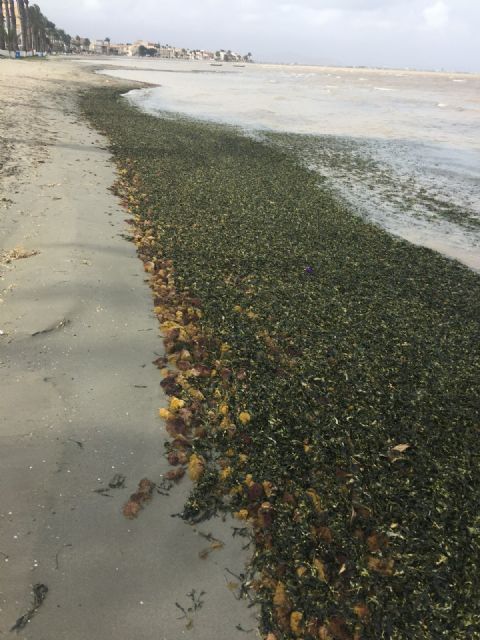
x: 80, y: 396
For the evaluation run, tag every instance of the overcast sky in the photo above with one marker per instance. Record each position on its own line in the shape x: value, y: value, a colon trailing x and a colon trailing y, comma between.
x: 431, y: 34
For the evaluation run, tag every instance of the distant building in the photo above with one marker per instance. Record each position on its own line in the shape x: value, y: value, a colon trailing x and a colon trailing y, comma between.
x: 120, y: 49
x: 100, y: 47
x: 166, y: 51
x: 133, y: 49
x: 229, y: 56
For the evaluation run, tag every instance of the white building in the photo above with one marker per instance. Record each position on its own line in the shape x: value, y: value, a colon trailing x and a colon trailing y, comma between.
x: 100, y: 47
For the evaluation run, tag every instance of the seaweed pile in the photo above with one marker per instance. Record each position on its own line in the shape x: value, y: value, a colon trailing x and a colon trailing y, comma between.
x: 323, y: 379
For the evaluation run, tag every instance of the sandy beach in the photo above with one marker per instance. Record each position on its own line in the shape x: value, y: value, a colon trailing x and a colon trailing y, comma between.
x: 80, y: 396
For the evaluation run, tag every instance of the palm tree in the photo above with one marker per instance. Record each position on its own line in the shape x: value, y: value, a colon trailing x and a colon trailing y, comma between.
x: 37, y: 31
x: 37, y: 28
x: 60, y: 37
x: 23, y: 23
x: 8, y: 26
x: 50, y: 33
x: 27, y: 18
x: 32, y: 25
x: 2, y: 27
x: 13, y: 26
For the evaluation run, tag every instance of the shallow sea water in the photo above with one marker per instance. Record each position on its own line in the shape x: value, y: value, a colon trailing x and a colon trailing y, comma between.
x: 401, y: 147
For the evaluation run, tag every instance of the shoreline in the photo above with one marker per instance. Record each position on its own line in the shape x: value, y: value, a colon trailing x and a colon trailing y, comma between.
x: 415, y: 188
x: 80, y: 396
x: 400, y: 204
x: 321, y: 428
x: 294, y: 65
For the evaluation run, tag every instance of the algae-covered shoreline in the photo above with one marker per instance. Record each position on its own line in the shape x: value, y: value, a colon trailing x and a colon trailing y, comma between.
x: 326, y: 381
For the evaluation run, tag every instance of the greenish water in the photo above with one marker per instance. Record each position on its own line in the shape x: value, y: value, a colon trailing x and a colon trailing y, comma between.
x: 408, y: 202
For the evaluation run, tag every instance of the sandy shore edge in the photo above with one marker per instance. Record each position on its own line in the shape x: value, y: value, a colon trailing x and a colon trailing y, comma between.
x: 80, y: 395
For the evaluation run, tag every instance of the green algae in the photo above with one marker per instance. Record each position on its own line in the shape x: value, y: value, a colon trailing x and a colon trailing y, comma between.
x: 356, y: 356
x: 352, y: 162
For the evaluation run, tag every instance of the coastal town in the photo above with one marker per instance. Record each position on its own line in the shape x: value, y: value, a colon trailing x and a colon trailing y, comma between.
x: 144, y: 48
x: 25, y: 31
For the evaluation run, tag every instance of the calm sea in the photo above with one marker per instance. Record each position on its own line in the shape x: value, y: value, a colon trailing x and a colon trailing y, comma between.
x: 402, y: 147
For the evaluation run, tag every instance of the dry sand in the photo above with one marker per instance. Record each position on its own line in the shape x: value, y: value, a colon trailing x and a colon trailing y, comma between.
x: 79, y: 400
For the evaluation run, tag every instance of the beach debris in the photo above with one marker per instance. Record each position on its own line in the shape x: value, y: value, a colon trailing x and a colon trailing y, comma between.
x: 57, y: 555
x: 18, y: 253
x: 175, y: 474
x: 39, y: 592
x: 239, y: 627
x: 77, y: 442
x: 215, y: 545
x: 103, y: 491
x: 244, y: 417
x: 58, y: 325
x: 196, y: 466
x: 189, y: 610
x: 296, y: 623
x: 401, y: 448
x: 138, y: 499
x: 164, y: 486
x: 117, y: 482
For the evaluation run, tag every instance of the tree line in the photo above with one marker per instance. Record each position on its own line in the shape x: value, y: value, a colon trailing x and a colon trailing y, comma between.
x: 24, y: 27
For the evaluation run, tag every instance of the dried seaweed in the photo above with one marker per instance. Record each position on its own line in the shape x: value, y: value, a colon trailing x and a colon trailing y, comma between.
x: 39, y: 594
x: 137, y: 500
x: 18, y: 253
x: 54, y: 327
x: 117, y: 482
x: 188, y: 611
